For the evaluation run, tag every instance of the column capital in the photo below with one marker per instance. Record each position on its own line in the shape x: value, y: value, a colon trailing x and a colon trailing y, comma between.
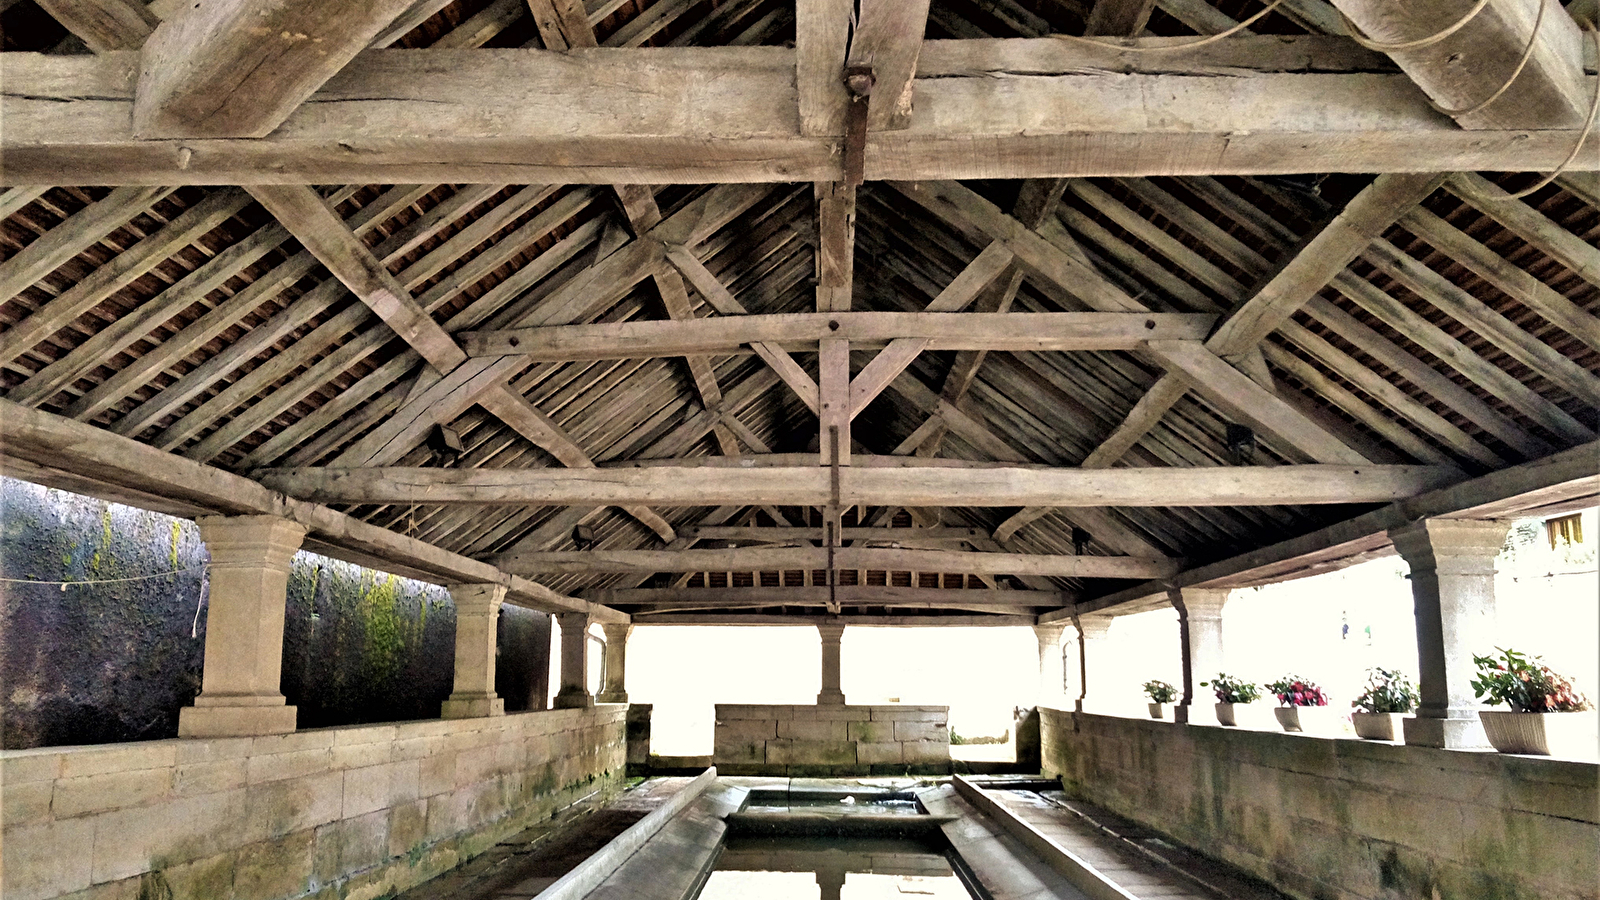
x: 616, y: 631
x: 250, y: 541
x: 478, y: 599
x: 1196, y: 602
x: 1092, y: 627
x: 1464, y: 546
x: 831, y: 632
x: 1049, y: 634
x: 570, y: 620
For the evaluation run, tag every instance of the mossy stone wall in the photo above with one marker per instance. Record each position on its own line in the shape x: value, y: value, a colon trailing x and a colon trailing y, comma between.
x: 106, y: 659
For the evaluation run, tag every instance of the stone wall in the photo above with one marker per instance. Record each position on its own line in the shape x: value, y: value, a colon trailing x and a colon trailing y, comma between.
x: 353, y: 813
x: 1344, y: 819
x: 831, y: 740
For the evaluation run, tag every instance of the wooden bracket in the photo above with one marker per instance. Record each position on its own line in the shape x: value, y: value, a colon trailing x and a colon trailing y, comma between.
x: 858, y: 80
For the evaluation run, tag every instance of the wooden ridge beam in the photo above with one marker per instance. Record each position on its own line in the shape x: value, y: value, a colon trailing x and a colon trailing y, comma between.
x: 720, y: 114
x: 1013, y: 332
x: 809, y: 485
x: 238, y: 69
x: 58, y: 452
x: 770, y: 559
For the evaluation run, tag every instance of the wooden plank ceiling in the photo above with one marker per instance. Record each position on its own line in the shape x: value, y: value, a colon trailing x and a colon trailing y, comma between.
x: 1249, y: 355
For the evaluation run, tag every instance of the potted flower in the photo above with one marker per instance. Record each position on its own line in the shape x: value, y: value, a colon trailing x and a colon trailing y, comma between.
x: 1299, y: 696
x: 1160, y: 694
x: 1231, y: 692
x: 1388, y: 696
x: 1547, y: 715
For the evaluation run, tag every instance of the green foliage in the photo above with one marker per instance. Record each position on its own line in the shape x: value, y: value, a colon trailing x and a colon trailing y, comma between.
x: 1292, y: 690
x: 1233, y: 690
x: 1388, y: 691
x: 1160, y: 691
x: 1525, y: 684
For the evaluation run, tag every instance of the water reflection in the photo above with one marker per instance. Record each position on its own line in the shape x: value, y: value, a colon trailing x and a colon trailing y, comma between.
x: 792, y: 868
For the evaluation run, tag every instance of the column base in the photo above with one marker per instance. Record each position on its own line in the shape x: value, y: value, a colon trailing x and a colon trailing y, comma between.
x: 611, y: 697
x: 831, y: 698
x: 472, y: 707
x: 1203, y: 714
x: 574, y: 700
x: 1450, y: 734
x: 235, y: 721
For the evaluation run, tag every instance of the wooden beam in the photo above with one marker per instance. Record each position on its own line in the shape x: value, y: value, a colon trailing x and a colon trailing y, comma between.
x: 104, y: 25
x: 836, y: 245
x: 58, y: 452
x: 663, y: 599
x: 321, y: 231
x: 562, y: 24
x: 888, y: 37
x: 771, y: 559
x: 853, y: 621
x: 720, y: 114
x: 231, y: 70
x: 822, y: 37
x: 1239, y: 397
x: 912, y: 486
x: 1561, y: 480
x: 1468, y: 67
x: 1013, y: 332
x: 1119, y: 18
x: 783, y: 534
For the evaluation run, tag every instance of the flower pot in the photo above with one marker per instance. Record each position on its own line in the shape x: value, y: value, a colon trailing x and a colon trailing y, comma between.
x: 1158, y: 710
x: 1226, y: 713
x: 1569, y: 734
x: 1323, y: 720
x: 1378, y: 726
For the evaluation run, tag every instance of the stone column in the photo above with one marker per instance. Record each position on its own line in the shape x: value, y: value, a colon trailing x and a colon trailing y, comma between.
x: 239, y: 693
x: 615, y: 688
x: 1091, y: 644
x: 1452, y: 586
x: 830, y: 695
x: 1200, y: 643
x: 830, y: 883
x: 574, y: 693
x: 477, y: 622
x: 1052, y: 667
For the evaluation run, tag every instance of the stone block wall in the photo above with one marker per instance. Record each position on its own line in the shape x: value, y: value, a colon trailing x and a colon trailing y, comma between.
x: 831, y: 740
x: 358, y: 812
x: 1325, y: 819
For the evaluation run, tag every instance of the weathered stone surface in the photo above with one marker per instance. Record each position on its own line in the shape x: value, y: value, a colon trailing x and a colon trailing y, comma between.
x: 812, y: 753
x: 920, y: 731
x: 874, y: 754
x: 747, y: 730
x: 1360, y: 819
x: 801, y: 730
x: 275, y: 817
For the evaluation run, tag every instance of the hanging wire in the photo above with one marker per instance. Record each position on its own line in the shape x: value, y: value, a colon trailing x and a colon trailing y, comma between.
x: 1173, y: 48
x: 65, y: 584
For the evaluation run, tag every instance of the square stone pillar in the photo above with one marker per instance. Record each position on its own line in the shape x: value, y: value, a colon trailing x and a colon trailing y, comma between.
x: 240, y: 686
x: 1091, y: 644
x: 615, y: 690
x: 1052, y: 666
x: 477, y: 624
x: 830, y: 695
x: 1452, y: 586
x: 1200, y: 643
x: 574, y: 693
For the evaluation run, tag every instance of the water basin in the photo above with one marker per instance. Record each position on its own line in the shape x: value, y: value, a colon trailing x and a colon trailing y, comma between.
x: 817, y: 868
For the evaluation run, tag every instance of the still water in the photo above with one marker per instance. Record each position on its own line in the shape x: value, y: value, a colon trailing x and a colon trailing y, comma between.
x: 816, y: 868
